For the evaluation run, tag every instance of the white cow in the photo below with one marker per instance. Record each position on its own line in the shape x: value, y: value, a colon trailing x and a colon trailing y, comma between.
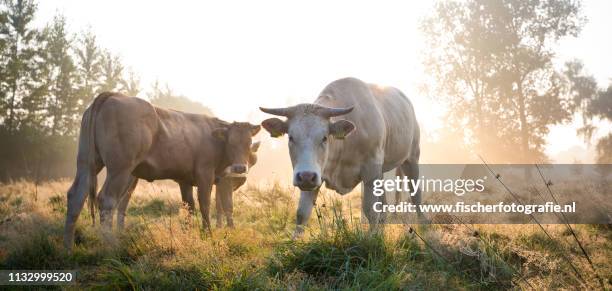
x: 377, y: 132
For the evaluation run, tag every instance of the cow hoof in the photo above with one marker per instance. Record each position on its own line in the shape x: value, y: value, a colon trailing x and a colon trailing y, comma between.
x: 68, y: 248
x: 376, y: 228
x: 298, y: 233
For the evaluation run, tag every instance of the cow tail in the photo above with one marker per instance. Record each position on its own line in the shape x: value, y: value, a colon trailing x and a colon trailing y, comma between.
x: 91, y: 156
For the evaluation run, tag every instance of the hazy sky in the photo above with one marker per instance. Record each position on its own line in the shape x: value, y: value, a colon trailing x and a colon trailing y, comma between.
x: 234, y: 56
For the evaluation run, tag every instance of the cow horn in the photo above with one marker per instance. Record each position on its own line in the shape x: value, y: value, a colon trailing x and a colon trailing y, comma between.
x: 277, y: 111
x: 331, y: 112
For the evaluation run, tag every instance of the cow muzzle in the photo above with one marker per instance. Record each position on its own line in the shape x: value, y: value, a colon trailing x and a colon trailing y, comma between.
x: 307, y: 180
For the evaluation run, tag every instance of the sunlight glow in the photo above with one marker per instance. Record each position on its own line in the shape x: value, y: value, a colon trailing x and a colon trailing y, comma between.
x: 234, y: 56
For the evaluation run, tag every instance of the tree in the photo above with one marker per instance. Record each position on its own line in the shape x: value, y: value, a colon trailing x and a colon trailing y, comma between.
x: 89, y: 61
x: 112, y: 71
x: 582, y: 90
x: 62, y: 101
x: 3, y: 63
x: 131, y: 85
x: 20, y: 77
x: 593, y: 105
x: 601, y: 107
x: 48, y: 77
x: 492, y: 60
x: 165, y: 98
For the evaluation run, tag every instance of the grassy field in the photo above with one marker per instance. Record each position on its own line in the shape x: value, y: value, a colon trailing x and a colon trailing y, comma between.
x: 164, y: 248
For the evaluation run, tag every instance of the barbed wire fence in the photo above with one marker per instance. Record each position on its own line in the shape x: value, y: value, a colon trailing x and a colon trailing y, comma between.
x: 548, y: 184
x: 562, y: 253
x: 562, y: 218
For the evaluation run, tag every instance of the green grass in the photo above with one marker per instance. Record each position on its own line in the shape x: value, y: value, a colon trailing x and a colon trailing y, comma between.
x: 154, y: 208
x: 164, y: 248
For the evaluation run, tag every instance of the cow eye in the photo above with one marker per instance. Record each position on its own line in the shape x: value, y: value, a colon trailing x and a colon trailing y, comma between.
x: 324, y: 139
x: 290, y: 138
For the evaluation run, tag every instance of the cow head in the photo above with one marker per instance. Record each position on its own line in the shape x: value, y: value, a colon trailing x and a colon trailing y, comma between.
x: 309, y: 127
x: 239, y: 149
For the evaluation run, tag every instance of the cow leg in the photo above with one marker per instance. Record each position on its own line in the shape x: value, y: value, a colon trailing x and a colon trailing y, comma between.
x: 218, y: 205
x: 368, y: 202
x: 187, y: 196
x: 398, y: 194
x: 205, y: 182
x: 123, y: 203
x: 77, y: 194
x: 308, y: 199
x: 411, y: 170
x: 116, y: 184
x: 369, y: 173
x: 224, y: 194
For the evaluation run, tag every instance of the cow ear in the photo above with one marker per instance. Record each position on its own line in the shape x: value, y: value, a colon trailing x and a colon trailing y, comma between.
x: 255, y: 129
x: 341, y: 128
x: 255, y: 146
x: 220, y: 133
x: 275, y: 126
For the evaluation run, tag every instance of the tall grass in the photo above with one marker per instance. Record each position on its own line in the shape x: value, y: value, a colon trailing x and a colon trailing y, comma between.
x: 165, y: 248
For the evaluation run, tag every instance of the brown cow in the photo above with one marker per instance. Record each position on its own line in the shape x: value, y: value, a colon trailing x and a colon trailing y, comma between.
x: 226, y: 185
x: 134, y: 139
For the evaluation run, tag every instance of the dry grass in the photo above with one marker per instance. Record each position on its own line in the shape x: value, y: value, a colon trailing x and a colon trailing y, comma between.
x: 164, y: 248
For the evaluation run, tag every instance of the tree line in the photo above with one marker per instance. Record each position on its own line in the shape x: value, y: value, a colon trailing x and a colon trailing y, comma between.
x: 491, y: 62
x: 48, y: 76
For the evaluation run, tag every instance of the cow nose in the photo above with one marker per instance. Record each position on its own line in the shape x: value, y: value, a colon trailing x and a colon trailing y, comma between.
x: 308, y: 178
x: 239, y: 168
